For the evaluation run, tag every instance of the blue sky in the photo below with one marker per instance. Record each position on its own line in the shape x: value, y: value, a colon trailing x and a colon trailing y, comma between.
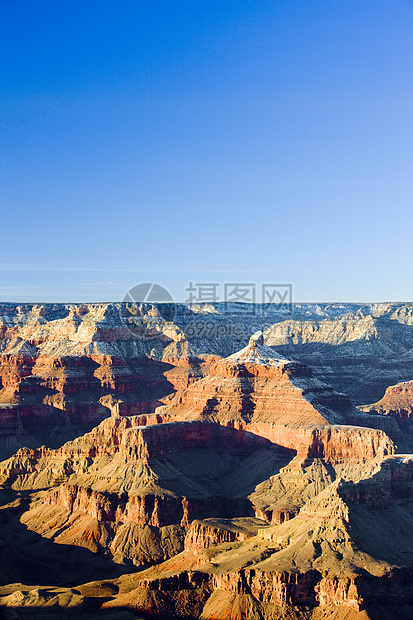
x: 210, y: 141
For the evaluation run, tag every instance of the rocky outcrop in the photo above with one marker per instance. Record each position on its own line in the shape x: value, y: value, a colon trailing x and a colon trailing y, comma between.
x: 203, y: 534
x: 360, y: 352
x: 254, y: 386
x: 65, y: 397
x: 60, y: 366
x: 122, y: 440
x: 278, y: 399
x: 153, y: 510
x: 121, y: 478
x: 126, y: 543
x: 397, y: 403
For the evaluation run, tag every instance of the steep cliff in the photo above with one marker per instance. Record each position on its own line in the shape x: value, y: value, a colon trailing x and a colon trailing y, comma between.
x: 397, y: 403
x: 360, y: 351
x: 280, y: 400
x: 129, y: 490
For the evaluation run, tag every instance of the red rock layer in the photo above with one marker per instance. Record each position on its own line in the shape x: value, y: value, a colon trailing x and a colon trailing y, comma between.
x: 280, y: 401
x: 153, y: 510
x: 251, y: 386
x: 78, y: 392
x: 125, y: 437
x: 331, y: 443
x: 246, y: 393
x: 397, y: 403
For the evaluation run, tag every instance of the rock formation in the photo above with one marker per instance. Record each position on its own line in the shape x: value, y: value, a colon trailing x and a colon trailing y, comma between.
x: 339, y: 557
x: 396, y: 403
x: 64, y: 366
x: 280, y: 400
x: 208, y: 486
x: 63, y: 369
x: 360, y: 351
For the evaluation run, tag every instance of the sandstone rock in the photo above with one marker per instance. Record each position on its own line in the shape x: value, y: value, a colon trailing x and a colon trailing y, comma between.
x: 290, y: 500
x: 57, y: 361
x: 397, y: 404
x: 325, y: 558
x: 279, y: 400
x: 202, y: 534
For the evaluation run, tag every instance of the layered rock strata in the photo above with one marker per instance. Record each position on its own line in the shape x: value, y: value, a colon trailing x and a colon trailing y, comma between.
x: 279, y: 399
x: 63, y: 369
x: 57, y: 361
x: 397, y: 403
x: 340, y: 552
x: 252, y: 492
x: 138, y: 483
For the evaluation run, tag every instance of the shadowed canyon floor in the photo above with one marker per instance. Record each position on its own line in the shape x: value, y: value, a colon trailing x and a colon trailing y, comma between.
x: 205, y: 486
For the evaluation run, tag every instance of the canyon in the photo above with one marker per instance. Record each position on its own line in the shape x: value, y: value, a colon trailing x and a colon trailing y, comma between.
x: 201, y: 462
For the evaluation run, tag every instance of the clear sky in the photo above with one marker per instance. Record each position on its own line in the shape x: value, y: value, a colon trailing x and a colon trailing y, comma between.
x: 216, y: 141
